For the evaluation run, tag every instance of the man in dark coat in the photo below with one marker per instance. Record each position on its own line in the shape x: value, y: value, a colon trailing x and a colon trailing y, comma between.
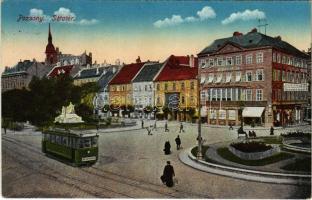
x: 181, y: 128
x: 167, y: 148
x: 178, y: 142
x: 271, y: 130
x: 142, y: 123
x: 168, y: 174
x: 166, y: 127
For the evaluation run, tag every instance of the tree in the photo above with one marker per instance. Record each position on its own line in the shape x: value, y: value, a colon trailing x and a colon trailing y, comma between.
x: 84, y: 111
x: 16, y: 104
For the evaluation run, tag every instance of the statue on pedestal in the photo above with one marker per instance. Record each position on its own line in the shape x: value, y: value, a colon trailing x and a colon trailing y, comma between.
x: 68, y: 115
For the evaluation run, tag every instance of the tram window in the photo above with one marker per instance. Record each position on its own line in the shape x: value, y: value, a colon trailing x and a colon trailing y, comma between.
x: 94, y: 141
x: 57, y: 139
x: 64, y: 140
x: 86, y: 142
x: 79, y: 143
x: 53, y: 138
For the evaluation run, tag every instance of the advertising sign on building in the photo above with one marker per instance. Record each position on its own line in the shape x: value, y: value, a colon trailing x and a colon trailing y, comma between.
x: 213, y: 114
x: 232, y: 115
x: 296, y: 87
x: 222, y: 114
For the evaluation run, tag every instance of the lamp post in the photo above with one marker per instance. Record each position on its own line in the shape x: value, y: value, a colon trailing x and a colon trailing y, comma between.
x: 199, y: 138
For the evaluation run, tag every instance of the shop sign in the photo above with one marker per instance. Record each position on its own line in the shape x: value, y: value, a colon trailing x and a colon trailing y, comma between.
x: 296, y: 87
x: 213, y: 114
x: 232, y: 114
x: 222, y: 114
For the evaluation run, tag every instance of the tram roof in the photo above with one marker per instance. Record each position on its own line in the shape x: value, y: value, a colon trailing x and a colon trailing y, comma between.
x: 79, y: 133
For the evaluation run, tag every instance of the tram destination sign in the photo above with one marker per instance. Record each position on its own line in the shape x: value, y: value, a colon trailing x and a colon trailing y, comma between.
x: 296, y: 87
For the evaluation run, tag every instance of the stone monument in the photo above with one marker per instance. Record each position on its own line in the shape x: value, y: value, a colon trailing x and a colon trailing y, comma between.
x: 68, y: 115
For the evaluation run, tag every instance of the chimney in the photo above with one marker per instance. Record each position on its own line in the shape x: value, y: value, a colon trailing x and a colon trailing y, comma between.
x: 236, y: 33
x: 191, y: 61
x: 138, y: 60
x: 254, y: 30
x: 57, y: 50
x: 97, y: 71
x: 278, y: 38
x: 114, y: 70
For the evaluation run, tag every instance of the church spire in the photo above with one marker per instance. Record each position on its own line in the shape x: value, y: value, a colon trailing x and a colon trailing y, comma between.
x: 50, y: 35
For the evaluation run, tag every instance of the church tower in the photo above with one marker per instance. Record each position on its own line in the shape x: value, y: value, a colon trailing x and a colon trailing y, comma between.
x: 51, y: 54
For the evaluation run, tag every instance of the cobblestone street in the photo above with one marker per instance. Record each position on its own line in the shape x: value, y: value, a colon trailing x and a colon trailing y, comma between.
x: 130, y: 165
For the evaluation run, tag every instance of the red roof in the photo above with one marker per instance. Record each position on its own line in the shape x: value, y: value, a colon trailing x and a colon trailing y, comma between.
x: 127, y: 73
x: 178, y: 68
x: 60, y: 70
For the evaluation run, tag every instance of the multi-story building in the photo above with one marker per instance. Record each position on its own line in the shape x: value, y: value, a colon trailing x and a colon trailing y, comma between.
x: 143, y: 89
x: 20, y: 75
x: 53, y: 55
x: 104, y: 80
x: 253, y: 78
x: 177, y: 87
x: 83, y: 59
x: 120, y: 87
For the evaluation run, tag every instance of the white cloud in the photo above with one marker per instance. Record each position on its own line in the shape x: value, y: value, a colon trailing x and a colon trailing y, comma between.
x: 88, y: 22
x: 64, y: 12
x: 174, y: 20
x: 244, y: 16
x: 35, y: 12
x: 39, y: 14
x: 204, y: 14
x: 190, y: 19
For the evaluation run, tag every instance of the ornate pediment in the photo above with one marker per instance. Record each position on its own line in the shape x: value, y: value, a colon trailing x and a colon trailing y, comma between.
x: 228, y: 48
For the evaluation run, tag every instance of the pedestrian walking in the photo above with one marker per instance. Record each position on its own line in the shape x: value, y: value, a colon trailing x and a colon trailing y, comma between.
x: 142, y: 123
x: 231, y: 127
x: 166, y: 127
x: 167, y: 148
x: 155, y: 128
x: 271, y: 130
x: 181, y: 128
x: 168, y: 174
x: 149, y: 131
x: 178, y: 142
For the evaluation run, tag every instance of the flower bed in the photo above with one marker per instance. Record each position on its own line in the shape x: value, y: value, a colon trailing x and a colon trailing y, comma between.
x: 250, y: 147
x: 253, y: 150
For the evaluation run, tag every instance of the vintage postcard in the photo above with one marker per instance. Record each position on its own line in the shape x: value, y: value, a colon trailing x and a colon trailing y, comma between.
x: 156, y: 99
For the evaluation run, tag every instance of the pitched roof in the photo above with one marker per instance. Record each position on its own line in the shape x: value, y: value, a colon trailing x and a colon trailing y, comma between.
x: 90, y: 73
x: 66, y: 69
x: 148, y: 72
x: 126, y: 74
x: 178, y: 68
x: 19, y: 67
x: 105, y: 78
x: 252, y: 40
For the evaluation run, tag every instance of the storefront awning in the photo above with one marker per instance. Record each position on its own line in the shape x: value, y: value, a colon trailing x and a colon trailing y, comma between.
x: 253, y: 111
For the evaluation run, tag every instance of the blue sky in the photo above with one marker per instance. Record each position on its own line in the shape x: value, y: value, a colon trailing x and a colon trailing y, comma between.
x: 126, y: 29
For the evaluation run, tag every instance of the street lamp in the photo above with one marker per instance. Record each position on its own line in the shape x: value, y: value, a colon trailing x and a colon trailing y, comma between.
x: 199, y: 138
